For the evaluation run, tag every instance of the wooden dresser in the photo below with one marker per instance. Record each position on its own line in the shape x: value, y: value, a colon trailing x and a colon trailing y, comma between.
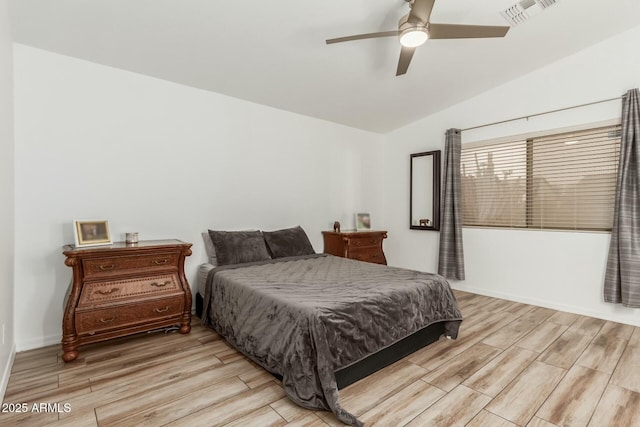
x: 122, y: 289
x: 361, y: 245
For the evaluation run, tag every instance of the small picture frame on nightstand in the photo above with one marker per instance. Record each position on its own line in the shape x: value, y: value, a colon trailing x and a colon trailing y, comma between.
x: 363, y: 222
x: 91, y: 233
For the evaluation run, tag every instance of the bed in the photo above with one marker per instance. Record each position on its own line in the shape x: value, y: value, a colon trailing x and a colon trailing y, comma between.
x: 320, y: 322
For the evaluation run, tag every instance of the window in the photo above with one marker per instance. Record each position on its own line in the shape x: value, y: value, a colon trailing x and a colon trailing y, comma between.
x: 564, y: 181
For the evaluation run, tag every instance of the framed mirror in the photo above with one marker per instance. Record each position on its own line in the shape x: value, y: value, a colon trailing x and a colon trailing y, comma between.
x: 424, y: 191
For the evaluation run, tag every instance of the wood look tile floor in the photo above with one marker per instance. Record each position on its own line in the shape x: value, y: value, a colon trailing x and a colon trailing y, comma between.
x: 512, y: 365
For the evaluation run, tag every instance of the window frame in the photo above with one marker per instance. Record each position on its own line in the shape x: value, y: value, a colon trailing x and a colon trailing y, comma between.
x: 528, y: 139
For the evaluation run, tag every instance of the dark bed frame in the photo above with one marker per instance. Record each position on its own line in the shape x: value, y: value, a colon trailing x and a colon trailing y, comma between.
x: 385, y: 357
x: 388, y: 355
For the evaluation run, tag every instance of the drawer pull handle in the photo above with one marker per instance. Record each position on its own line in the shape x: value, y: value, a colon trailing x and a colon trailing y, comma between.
x: 110, y: 291
x: 106, y: 267
x: 111, y: 319
x: 161, y: 310
x: 160, y: 285
x: 160, y: 262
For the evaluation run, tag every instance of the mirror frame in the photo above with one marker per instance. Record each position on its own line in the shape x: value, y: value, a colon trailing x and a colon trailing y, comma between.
x: 435, y: 226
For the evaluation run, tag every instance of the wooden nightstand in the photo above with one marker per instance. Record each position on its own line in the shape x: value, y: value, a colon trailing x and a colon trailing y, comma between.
x: 122, y: 289
x: 361, y: 245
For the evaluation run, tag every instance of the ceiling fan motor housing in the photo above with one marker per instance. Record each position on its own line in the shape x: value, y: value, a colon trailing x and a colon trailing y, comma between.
x: 404, y: 24
x: 412, y: 35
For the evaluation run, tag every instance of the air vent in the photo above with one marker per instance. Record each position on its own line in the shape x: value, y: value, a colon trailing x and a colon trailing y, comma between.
x: 525, y: 9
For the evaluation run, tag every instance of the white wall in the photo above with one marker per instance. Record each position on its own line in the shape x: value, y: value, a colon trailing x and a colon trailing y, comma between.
x: 7, y: 348
x: 555, y: 269
x: 168, y: 161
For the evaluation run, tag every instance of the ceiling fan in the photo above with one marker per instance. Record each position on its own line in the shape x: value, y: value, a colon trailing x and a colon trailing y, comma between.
x: 414, y: 29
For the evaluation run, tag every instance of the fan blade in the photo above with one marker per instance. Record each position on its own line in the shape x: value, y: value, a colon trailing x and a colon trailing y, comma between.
x: 363, y: 36
x: 453, y: 31
x: 421, y: 11
x: 405, y: 59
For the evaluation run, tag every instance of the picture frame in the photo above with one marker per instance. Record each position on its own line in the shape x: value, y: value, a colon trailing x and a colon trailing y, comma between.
x: 363, y: 221
x: 92, y: 232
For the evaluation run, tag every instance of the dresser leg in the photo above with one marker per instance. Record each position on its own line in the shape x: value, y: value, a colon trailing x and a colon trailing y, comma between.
x: 69, y: 347
x: 70, y: 355
x: 185, y: 322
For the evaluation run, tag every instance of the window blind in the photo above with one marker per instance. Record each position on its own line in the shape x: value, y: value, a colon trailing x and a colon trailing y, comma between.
x: 563, y: 181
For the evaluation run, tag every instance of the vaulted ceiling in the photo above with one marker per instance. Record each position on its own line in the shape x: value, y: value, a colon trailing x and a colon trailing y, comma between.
x: 274, y: 52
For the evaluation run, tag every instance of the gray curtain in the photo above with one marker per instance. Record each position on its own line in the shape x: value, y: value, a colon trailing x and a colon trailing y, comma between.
x: 451, y: 260
x: 622, y: 280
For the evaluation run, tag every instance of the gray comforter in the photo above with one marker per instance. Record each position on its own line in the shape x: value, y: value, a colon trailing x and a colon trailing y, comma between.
x: 306, y: 317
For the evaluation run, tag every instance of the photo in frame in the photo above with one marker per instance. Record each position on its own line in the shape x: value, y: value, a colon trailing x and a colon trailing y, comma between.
x: 363, y: 222
x: 91, y: 233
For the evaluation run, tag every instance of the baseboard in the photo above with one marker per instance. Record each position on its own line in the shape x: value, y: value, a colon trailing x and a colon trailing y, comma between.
x: 7, y: 371
x: 38, y: 342
x: 548, y: 304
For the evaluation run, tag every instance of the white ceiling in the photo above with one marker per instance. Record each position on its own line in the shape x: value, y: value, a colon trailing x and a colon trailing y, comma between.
x: 273, y: 52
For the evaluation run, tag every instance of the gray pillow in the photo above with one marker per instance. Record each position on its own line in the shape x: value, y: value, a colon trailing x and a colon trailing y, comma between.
x: 288, y: 242
x: 237, y: 247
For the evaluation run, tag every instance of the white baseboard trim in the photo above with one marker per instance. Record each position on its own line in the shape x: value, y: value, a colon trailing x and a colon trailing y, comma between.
x: 7, y: 371
x: 548, y: 304
x: 39, y: 342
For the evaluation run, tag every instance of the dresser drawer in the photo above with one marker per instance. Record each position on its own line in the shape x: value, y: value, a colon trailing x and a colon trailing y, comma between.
x: 370, y: 254
x: 364, y: 242
x: 117, y: 290
x: 105, y: 267
x: 93, y: 321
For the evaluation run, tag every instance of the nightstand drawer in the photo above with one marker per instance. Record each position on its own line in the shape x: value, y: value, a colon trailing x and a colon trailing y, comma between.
x: 105, y: 267
x: 365, y: 242
x: 374, y: 255
x: 90, y: 322
x: 116, y: 290
x: 361, y: 245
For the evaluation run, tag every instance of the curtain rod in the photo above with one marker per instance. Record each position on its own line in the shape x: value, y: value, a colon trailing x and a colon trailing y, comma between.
x: 543, y: 113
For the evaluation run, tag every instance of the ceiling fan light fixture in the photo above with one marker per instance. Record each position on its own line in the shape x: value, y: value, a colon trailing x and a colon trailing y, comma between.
x: 414, y: 37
